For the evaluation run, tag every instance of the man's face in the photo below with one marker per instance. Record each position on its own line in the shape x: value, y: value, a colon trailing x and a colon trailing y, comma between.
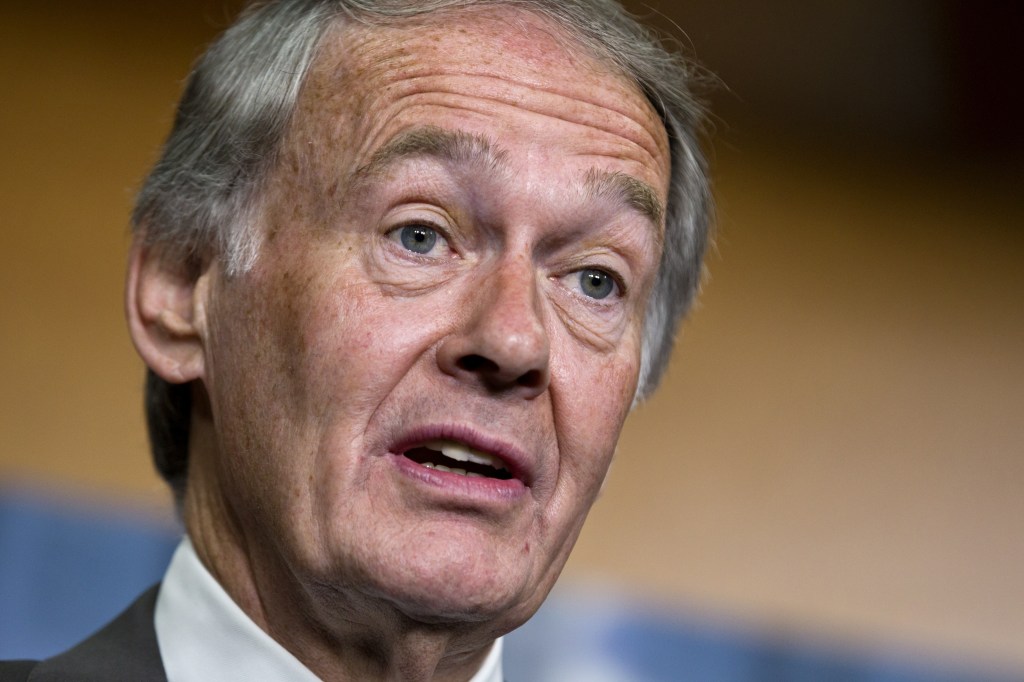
x: 459, y: 242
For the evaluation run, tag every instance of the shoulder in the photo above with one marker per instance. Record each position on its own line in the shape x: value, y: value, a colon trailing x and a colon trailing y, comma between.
x: 16, y: 671
x: 125, y: 649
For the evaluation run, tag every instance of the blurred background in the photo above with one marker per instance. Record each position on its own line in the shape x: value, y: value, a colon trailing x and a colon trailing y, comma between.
x: 835, y: 462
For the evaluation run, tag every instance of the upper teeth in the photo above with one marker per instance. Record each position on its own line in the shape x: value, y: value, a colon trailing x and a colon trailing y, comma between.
x: 463, y: 453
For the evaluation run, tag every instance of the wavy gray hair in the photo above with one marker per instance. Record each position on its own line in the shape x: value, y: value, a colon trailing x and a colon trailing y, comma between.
x: 201, y: 198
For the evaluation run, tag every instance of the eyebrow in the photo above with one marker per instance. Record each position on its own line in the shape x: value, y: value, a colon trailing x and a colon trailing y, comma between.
x: 455, y: 147
x: 635, y: 193
x: 463, y: 148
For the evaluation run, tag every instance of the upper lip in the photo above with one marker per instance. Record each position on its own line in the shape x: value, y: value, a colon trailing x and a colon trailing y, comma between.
x: 515, y: 458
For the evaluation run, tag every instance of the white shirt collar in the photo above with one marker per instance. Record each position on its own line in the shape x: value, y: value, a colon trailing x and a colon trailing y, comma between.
x: 204, y: 635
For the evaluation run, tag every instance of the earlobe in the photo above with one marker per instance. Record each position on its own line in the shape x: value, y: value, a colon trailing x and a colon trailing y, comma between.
x: 165, y: 307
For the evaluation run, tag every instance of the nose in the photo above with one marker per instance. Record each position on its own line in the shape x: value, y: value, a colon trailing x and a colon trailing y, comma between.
x: 502, y: 343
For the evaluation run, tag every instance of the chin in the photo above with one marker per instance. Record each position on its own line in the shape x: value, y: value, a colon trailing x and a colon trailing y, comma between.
x: 460, y: 590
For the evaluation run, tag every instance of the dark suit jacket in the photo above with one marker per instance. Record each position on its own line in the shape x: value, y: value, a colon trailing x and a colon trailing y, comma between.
x: 125, y: 650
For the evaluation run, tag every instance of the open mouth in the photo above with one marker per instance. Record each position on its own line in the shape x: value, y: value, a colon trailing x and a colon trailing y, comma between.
x: 458, y: 458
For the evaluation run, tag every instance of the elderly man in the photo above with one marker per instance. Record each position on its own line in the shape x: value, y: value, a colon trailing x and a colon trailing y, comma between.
x: 400, y: 274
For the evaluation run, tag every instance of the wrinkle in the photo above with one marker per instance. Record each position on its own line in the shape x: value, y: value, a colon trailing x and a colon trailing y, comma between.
x: 554, y: 110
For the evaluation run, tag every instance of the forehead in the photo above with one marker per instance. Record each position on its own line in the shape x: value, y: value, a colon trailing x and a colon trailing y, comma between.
x: 369, y: 76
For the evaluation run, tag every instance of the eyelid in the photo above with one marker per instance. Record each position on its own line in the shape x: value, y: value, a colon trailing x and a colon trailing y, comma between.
x: 606, y: 257
x: 436, y: 224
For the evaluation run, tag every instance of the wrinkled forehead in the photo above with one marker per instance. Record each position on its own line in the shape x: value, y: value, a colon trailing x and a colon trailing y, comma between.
x: 358, y: 61
x: 505, y: 40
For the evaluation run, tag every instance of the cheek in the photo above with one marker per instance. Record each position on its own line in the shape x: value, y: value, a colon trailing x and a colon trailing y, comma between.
x: 590, y: 409
x: 252, y: 360
x: 337, y: 338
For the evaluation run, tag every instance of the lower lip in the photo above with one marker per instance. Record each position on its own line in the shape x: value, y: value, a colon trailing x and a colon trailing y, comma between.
x: 469, y: 488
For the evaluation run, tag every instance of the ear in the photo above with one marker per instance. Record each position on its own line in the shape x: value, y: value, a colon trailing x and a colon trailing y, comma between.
x: 165, y: 304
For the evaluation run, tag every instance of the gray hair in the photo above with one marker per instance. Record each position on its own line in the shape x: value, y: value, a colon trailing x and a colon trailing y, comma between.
x: 201, y: 199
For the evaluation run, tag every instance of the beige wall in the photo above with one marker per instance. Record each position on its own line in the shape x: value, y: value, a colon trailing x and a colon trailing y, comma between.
x: 838, y: 451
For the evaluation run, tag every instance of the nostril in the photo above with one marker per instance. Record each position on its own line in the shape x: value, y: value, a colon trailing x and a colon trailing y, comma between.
x: 532, y: 379
x: 477, y: 363
x: 485, y: 367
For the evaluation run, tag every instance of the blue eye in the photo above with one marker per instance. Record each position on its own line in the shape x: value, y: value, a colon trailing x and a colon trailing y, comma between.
x: 596, y: 283
x: 418, y: 238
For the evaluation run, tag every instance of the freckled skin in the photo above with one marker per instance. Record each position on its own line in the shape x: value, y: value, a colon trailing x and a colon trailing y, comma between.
x: 337, y: 341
